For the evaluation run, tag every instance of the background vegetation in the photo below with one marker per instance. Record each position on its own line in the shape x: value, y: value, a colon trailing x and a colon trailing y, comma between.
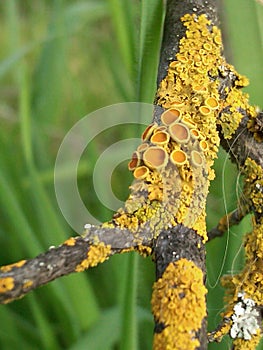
x: 60, y: 60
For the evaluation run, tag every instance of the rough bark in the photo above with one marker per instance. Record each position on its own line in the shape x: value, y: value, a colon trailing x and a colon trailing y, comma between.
x: 150, y: 222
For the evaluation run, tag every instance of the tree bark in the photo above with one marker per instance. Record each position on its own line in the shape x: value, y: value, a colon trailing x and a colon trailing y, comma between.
x: 164, y: 215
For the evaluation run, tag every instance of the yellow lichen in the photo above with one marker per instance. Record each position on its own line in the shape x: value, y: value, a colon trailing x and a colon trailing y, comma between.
x: 141, y: 172
x: 188, y: 80
x: 253, y: 184
x: 235, y: 103
x: 242, y: 344
x: 71, y: 241
x: 144, y: 250
x: 96, y: 255
x: 27, y: 284
x: 178, y: 303
x: 223, y: 330
x: 188, y: 126
x: 11, y: 266
x: 6, y: 284
x: 249, y: 281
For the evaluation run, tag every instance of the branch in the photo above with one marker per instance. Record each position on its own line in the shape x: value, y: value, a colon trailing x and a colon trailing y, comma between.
x: 75, y: 255
x: 198, y: 103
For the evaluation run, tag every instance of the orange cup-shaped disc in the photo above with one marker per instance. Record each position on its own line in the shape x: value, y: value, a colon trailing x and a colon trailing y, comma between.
x: 195, y: 133
x: 203, y: 145
x: 135, y: 161
x: 141, y: 172
x: 155, y: 157
x: 196, y: 158
x: 178, y: 157
x: 212, y: 102
x: 170, y: 116
x: 205, y: 110
x: 160, y: 138
x: 142, y: 147
x: 179, y: 132
x: 148, y: 131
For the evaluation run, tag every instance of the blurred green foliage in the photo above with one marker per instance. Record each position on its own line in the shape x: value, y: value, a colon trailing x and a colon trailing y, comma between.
x: 60, y: 60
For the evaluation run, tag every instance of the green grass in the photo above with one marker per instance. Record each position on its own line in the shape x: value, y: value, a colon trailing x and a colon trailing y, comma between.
x: 60, y: 60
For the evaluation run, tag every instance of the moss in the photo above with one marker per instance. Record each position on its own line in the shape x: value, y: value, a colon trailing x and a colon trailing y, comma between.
x: 96, y: 255
x: 178, y: 302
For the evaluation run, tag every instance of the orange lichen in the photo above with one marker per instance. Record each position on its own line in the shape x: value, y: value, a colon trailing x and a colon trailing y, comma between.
x: 189, y: 122
x: 11, y: 266
x: 176, y: 104
x: 204, y: 110
x: 142, y: 147
x: 160, y: 138
x: 249, y: 282
x: 71, y: 241
x: 250, y: 279
x: 144, y: 250
x: 141, y: 172
x: 203, y: 145
x: 135, y: 161
x: 189, y: 91
x: 170, y: 116
x: 253, y: 187
x: 196, y: 158
x: 201, y: 89
x: 97, y: 254
x: 212, y: 102
x: 195, y: 133
x: 235, y: 102
x: 148, y: 131
x: 255, y: 126
x: 155, y: 157
x: 179, y: 132
x: 6, y: 284
x: 27, y: 284
x: 242, y: 344
x: 160, y: 128
x: 178, y: 302
x: 178, y: 157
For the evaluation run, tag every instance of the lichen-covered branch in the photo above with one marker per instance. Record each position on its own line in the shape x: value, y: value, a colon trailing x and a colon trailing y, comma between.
x: 199, y: 103
x: 75, y: 255
x: 186, y: 89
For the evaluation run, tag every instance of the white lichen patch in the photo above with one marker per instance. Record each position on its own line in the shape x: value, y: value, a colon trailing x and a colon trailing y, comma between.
x: 245, y: 318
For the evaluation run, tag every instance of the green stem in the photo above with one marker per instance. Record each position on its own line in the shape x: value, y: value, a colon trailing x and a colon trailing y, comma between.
x: 128, y: 312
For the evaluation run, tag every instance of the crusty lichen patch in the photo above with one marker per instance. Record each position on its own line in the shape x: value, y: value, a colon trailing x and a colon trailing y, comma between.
x: 236, y: 103
x: 11, y: 266
x: 250, y: 279
x: 178, y: 303
x: 249, y: 282
x: 172, y: 166
x: 27, y: 284
x: 242, y: 344
x: 6, y: 284
x: 96, y: 255
x: 70, y: 242
x: 253, y: 188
